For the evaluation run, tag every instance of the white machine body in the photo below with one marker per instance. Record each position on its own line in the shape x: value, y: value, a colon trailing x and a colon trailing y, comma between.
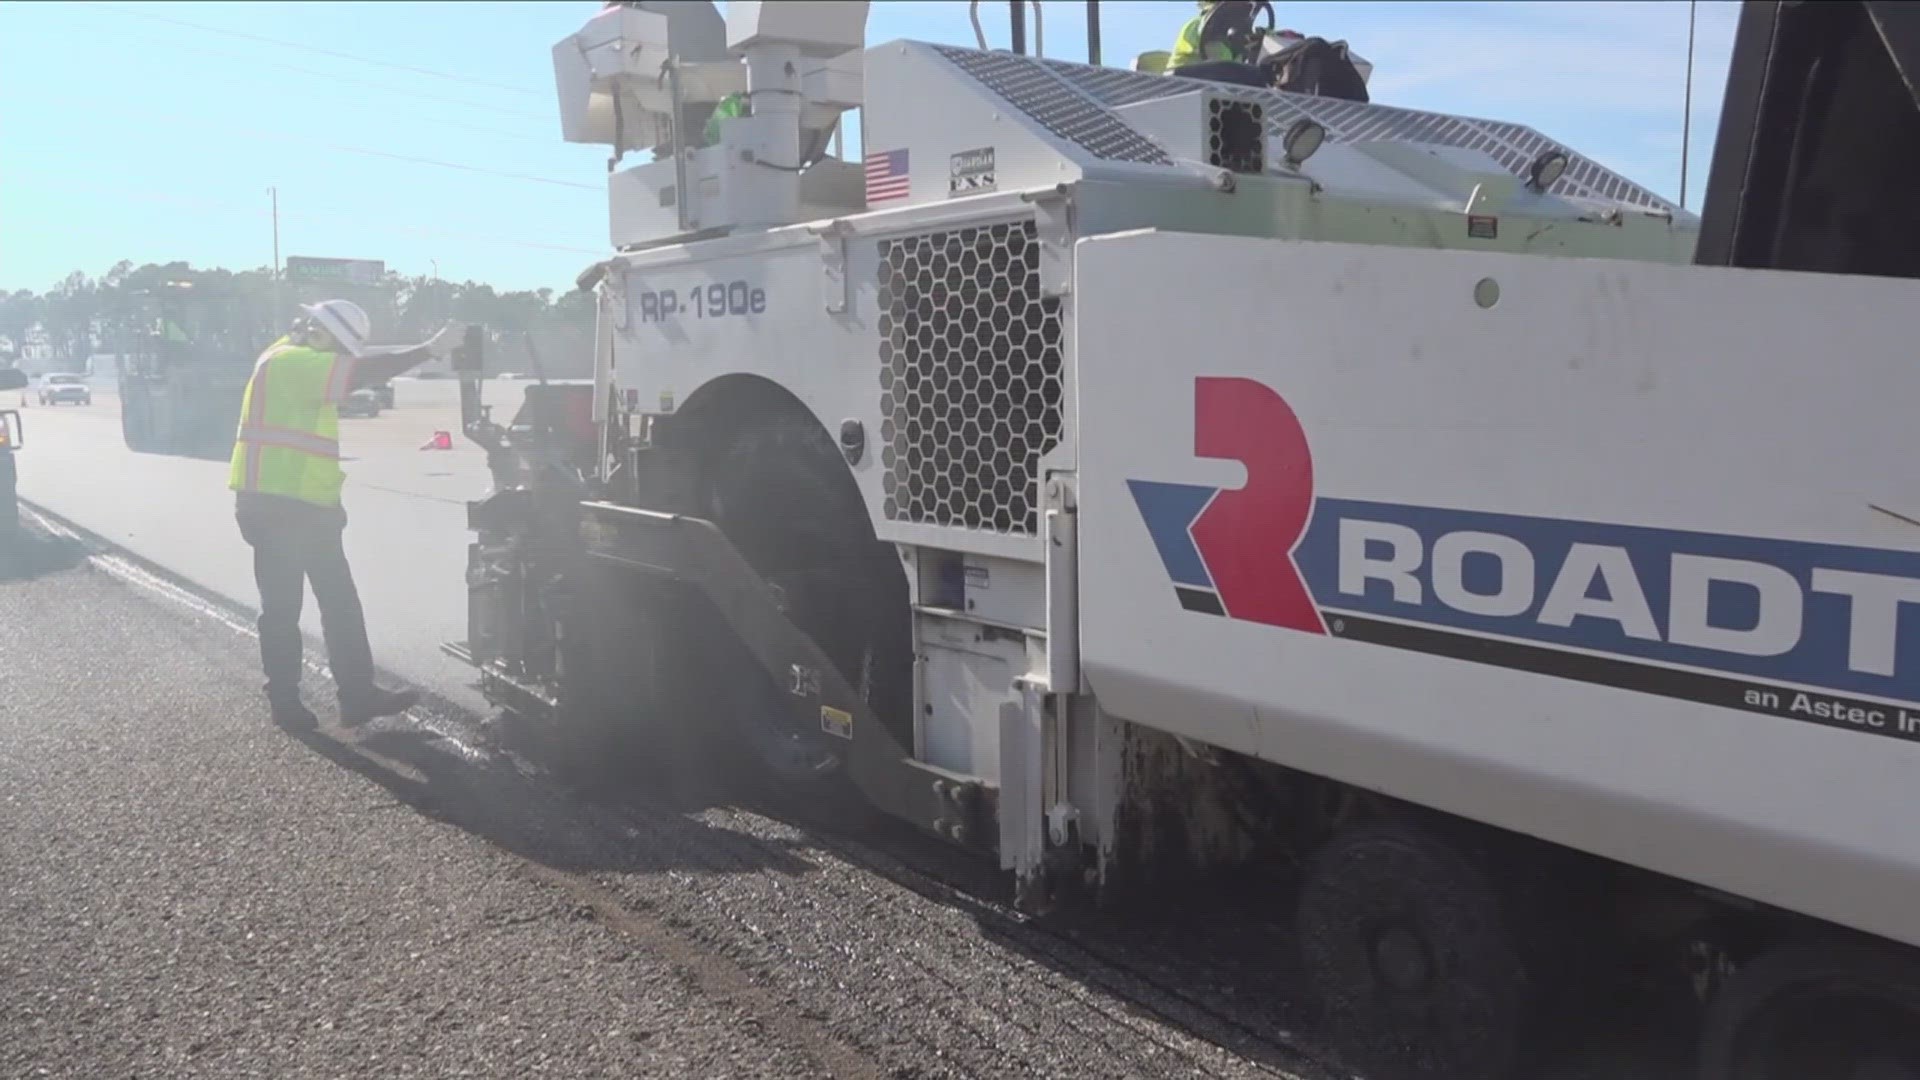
x: 1381, y: 465
x: 648, y: 77
x: 1580, y: 563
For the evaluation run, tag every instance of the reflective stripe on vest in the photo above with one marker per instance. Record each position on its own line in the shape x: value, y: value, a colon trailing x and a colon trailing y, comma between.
x: 340, y: 383
x: 305, y: 442
x: 287, y: 443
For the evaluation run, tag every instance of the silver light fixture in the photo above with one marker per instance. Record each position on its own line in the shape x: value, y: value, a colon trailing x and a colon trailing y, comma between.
x: 1547, y: 169
x: 1302, y: 141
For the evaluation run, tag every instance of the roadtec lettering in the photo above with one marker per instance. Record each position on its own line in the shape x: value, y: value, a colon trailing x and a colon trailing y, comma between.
x: 1376, y: 551
x: 1819, y: 633
x: 1815, y: 616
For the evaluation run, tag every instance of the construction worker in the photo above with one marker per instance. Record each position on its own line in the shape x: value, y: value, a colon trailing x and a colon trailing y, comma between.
x: 1215, y: 60
x: 287, y: 479
x: 728, y: 108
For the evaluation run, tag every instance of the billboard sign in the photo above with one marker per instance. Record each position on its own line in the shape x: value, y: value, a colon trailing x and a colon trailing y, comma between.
x: 302, y: 268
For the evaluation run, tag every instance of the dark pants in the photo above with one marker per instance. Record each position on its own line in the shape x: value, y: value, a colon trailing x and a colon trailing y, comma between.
x: 296, y: 544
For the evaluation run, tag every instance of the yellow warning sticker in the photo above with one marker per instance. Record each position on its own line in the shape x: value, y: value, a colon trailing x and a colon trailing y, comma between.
x: 836, y: 721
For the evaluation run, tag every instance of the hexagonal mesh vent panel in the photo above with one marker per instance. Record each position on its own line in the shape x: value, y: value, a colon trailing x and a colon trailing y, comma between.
x: 1236, y: 139
x: 970, y: 377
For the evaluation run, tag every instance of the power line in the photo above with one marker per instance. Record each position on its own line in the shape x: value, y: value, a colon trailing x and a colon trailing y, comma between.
x: 307, y: 140
x: 251, y: 210
x: 262, y: 39
x: 348, y: 79
x: 481, y: 129
x: 482, y: 170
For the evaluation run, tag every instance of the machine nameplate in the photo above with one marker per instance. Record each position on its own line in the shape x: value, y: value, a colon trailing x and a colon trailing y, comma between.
x: 707, y: 300
x: 971, y: 172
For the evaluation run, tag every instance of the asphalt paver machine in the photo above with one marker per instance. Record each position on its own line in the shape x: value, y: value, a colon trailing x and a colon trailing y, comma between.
x: 1117, y: 473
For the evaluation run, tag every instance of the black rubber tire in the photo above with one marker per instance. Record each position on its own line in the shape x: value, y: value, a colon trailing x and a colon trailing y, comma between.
x: 1767, y: 1021
x: 1397, y: 879
x: 783, y: 495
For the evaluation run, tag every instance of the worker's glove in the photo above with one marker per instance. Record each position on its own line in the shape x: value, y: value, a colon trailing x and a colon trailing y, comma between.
x: 447, y: 339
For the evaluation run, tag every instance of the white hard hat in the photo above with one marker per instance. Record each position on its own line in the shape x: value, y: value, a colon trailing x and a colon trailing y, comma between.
x: 344, y: 320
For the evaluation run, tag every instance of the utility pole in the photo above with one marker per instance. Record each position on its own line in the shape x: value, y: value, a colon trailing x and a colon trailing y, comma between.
x: 279, y: 301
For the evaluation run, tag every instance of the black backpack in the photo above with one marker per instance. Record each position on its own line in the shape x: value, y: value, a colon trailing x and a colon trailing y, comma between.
x: 1316, y: 66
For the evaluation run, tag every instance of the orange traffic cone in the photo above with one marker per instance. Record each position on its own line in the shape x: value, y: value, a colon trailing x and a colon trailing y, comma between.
x: 440, y: 441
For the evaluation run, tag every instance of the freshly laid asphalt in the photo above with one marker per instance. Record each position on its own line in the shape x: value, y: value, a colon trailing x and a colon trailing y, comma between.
x: 187, y: 890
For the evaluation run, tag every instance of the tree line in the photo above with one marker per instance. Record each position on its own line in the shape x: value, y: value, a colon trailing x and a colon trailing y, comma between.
x: 243, y: 310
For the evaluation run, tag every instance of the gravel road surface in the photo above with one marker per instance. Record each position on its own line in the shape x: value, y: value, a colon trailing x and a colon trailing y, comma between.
x: 407, y: 538
x: 191, y: 891
x: 186, y: 890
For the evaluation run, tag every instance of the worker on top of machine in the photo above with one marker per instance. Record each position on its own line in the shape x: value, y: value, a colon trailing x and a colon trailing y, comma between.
x: 730, y: 107
x: 287, y: 478
x: 1205, y: 50
x: 1222, y: 44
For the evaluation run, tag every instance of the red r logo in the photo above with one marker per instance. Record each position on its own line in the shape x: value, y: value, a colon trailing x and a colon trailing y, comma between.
x: 1242, y: 531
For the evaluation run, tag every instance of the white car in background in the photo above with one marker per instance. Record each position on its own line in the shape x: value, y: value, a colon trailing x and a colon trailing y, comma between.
x: 65, y: 389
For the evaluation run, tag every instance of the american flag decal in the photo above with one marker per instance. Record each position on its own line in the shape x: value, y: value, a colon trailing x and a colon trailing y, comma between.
x: 887, y: 176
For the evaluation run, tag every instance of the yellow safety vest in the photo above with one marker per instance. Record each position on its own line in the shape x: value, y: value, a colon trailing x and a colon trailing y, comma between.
x: 731, y: 107
x: 289, y: 438
x: 1186, y: 48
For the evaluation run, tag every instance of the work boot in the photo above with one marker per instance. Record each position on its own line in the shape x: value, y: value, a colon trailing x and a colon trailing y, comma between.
x: 376, y: 702
x: 293, y: 715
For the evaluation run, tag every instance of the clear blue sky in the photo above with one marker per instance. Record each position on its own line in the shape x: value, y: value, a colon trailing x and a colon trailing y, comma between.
x: 152, y: 131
